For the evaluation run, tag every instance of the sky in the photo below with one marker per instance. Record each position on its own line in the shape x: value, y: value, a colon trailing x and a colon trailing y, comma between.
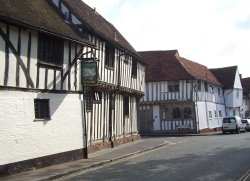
x: 214, y: 33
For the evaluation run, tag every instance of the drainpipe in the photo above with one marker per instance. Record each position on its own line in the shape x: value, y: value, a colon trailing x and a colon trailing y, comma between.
x: 85, y: 125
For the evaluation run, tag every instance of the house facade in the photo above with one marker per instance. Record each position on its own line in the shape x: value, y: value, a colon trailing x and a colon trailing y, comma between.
x: 66, y: 87
x: 181, y: 96
x: 233, y: 91
x: 111, y: 103
x: 245, y: 82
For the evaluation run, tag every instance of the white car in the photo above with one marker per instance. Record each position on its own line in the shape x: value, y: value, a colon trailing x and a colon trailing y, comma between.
x: 233, y: 124
x: 247, y: 123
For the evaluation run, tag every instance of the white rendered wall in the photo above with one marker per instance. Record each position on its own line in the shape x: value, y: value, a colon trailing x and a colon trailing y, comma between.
x: 22, y: 138
x: 201, y: 116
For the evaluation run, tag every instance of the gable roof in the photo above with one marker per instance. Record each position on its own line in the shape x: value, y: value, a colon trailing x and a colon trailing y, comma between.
x: 246, y: 85
x: 226, y: 75
x: 97, y: 24
x: 38, y: 15
x: 168, y: 65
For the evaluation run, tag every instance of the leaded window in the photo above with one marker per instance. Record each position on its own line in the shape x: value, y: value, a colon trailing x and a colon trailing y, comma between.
x: 50, y: 50
x: 176, y: 113
x: 42, y: 110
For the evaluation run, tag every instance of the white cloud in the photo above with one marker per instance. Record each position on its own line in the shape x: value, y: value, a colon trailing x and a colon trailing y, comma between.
x: 211, y: 32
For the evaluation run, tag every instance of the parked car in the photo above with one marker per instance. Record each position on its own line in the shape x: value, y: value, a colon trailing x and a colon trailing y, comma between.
x: 247, y: 123
x: 233, y: 124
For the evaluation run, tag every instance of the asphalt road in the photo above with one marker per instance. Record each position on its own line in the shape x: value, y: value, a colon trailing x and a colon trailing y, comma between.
x: 215, y: 157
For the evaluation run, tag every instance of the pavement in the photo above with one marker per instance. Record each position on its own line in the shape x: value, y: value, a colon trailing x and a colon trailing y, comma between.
x: 95, y: 160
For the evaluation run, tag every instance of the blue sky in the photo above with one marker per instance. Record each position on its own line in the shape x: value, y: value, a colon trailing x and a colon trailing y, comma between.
x: 215, y: 33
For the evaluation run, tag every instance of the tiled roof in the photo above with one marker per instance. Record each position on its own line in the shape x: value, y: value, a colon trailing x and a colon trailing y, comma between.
x: 99, y: 25
x: 168, y: 65
x: 198, y: 71
x: 225, y: 75
x: 39, y: 15
x: 246, y: 85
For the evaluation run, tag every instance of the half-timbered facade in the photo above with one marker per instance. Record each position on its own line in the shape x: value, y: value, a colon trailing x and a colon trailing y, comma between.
x: 181, y: 95
x: 51, y: 54
x: 233, y: 92
x: 40, y: 88
x: 111, y: 103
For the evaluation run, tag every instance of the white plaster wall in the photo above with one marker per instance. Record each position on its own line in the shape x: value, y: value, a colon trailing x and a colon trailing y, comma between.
x: 201, y: 116
x: 22, y: 138
x: 156, y: 117
x: 237, y: 82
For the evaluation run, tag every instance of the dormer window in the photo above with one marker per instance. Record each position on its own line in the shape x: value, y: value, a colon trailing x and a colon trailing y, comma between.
x: 109, y: 56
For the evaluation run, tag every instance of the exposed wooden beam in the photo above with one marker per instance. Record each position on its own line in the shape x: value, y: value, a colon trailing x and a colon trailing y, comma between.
x: 16, y: 54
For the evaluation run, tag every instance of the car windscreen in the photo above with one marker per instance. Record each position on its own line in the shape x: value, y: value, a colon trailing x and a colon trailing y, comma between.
x: 244, y: 121
x: 228, y: 120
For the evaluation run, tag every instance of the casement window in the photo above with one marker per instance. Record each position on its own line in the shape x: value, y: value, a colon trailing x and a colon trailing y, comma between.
x: 215, y: 114
x: 218, y: 91
x: 211, y: 89
x: 42, y: 110
x: 206, y: 86
x: 210, y: 114
x: 199, y: 85
x: 220, y: 113
x: 164, y: 113
x: 50, y: 50
x: 173, y: 87
x: 109, y: 56
x: 126, y: 105
x: 234, y: 113
x: 176, y: 113
x: 187, y: 113
x: 88, y: 97
x: 237, y: 94
x: 134, y: 68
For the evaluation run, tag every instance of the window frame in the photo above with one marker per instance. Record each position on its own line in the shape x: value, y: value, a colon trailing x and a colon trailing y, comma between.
x: 176, y: 113
x: 173, y: 86
x: 198, y: 85
x: 42, y: 109
x: 215, y: 114
x: 50, y: 51
x: 88, y: 97
x: 126, y: 106
x: 109, y: 56
x: 187, y: 113
x: 206, y: 86
x: 210, y: 115
x: 134, y: 68
x: 220, y: 113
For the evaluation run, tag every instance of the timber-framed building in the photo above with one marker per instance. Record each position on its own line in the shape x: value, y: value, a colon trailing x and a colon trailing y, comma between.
x: 69, y: 84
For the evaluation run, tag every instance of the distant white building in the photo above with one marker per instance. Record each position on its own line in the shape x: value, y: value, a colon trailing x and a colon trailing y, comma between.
x: 233, y: 91
x: 246, y: 97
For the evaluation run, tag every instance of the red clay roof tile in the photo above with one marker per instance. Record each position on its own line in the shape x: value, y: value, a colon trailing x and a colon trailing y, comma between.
x: 168, y: 65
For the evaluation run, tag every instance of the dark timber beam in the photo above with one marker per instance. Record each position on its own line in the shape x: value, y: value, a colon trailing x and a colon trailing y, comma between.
x: 16, y: 54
